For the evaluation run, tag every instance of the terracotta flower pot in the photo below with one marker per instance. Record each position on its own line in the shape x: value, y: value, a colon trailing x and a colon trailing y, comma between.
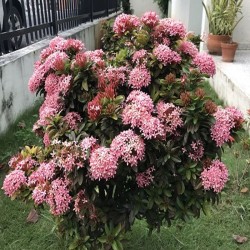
x: 228, y: 51
x: 214, y: 43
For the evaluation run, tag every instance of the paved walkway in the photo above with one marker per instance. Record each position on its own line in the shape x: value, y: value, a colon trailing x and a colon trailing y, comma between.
x: 232, y: 80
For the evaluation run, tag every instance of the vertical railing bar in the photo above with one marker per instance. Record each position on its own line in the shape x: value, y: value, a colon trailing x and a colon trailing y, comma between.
x: 63, y: 14
x: 30, y: 22
x: 42, y: 17
x: 34, y: 17
x: 38, y: 16
x: 59, y: 10
x: 46, y: 10
x: 91, y: 10
x: 49, y: 6
x: 54, y: 23
x: 67, y: 14
x: 107, y: 7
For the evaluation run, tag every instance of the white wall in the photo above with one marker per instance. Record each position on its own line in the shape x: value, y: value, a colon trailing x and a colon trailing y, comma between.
x: 142, y: 6
x: 17, y: 67
x: 241, y: 33
x: 189, y: 12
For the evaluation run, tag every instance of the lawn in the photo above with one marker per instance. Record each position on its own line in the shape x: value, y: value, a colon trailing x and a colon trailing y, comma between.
x: 214, y: 231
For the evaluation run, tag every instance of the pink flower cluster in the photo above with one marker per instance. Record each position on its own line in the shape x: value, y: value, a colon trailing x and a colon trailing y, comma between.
x: 129, y: 147
x: 165, y: 55
x: 73, y: 119
x: 205, y: 63
x: 170, y: 116
x: 44, y: 173
x: 125, y: 23
x: 144, y: 179
x: 188, y: 48
x: 151, y: 19
x: 103, y: 164
x: 111, y: 76
x: 137, y: 113
x: 197, y: 150
x: 225, y: 121
x: 140, y: 57
x: 215, y: 176
x: 168, y: 27
x: 173, y: 27
x: 58, y: 197
x: 139, y: 77
x: 14, y: 181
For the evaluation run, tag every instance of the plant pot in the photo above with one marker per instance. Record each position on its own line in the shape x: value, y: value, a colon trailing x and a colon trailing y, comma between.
x: 214, y: 43
x: 228, y: 51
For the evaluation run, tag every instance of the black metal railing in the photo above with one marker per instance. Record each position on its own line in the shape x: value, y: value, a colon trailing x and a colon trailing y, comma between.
x: 25, y: 22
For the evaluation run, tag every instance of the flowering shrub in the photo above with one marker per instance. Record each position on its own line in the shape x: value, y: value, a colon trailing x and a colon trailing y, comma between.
x: 128, y: 133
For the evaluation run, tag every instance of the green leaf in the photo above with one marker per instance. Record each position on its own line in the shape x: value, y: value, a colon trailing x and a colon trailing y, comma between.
x: 102, y: 239
x: 117, y: 229
x: 179, y: 203
x: 180, y: 187
x: 188, y: 174
x: 85, y: 84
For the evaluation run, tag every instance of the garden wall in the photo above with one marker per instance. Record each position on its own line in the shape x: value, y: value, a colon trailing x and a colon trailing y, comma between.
x: 17, y: 67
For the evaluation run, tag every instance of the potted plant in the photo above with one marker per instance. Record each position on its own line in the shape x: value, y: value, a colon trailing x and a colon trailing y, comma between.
x: 222, y: 18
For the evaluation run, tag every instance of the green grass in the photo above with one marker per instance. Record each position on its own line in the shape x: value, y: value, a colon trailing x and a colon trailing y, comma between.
x: 211, y: 232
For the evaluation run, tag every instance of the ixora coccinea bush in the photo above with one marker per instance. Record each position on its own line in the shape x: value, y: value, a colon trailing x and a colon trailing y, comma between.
x: 128, y: 133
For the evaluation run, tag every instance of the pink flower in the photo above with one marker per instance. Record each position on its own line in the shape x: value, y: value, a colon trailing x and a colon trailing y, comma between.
x: 152, y: 128
x: 57, y: 43
x: 111, y: 76
x: 133, y: 114
x: 45, y: 172
x: 39, y: 194
x: 51, y: 106
x: 81, y: 59
x: 188, y: 48
x: 139, y: 106
x: 46, y: 140
x: 173, y: 27
x: 225, y: 121
x: 52, y: 84
x: 215, y: 176
x: 170, y: 116
x: 197, y: 150
x: 140, y: 99
x: 150, y: 19
x: 14, y: 181
x: 45, y: 53
x: 165, y: 55
x: 144, y: 179
x: 65, y: 83
x: 140, y: 56
x: 81, y: 202
x: 88, y: 142
x: 103, y: 164
x: 37, y: 78
x: 205, y: 63
x: 125, y: 23
x: 72, y: 119
x: 129, y: 146
x: 24, y: 164
x: 58, y: 197
x: 59, y: 61
x: 139, y: 77
x: 73, y: 44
